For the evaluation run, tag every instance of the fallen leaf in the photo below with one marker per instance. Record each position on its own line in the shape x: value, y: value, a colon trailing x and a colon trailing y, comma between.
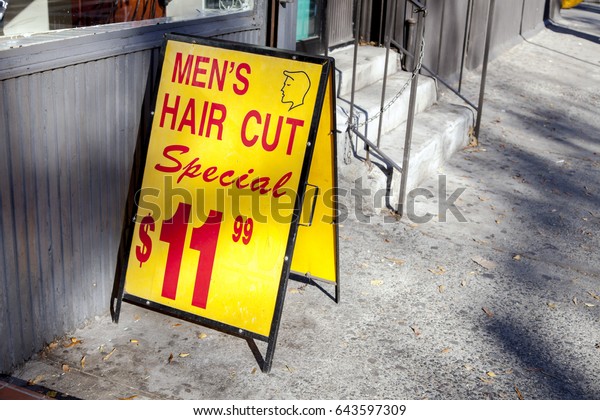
x: 184, y: 354
x: 35, y: 380
x: 253, y: 371
x: 202, y: 336
x: 575, y: 300
x: 589, y: 305
x: 376, y: 282
x: 136, y: 318
x: 134, y: 341
x: 486, y: 380
x: 487, y: 264
x: 488, y: 312
x: 519, y: 395
x: 438, y: 271
x: 463, y: 282
x: 82, y: 362
x: 395, y: 260
x: 131, y: 397
x: 416, y: 330
x: 483, y: 198
x: 73, y: 342
x: 491, y: 374
x: 52, y: 394
x: 170, y: 358
x: 291, y: 370
x: 468, y: 367
x: 595, y: 296
x: 551, y: 305
x: 517, y: 257
x: 105, y: 358
x: 66, y: 368
x: 293, y: 291
x: 177, y: 324
x: 446, y: 350
x: 53, y: 345
x: 441, y: 288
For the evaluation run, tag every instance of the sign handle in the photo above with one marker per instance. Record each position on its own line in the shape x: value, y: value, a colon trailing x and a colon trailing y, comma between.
x: 314, y: 204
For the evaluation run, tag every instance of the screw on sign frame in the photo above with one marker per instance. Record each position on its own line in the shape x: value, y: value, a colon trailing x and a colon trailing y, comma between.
x: 186, y: 266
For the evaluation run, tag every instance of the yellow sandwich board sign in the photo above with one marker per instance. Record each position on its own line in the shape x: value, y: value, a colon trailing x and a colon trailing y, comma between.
x: 227, y: 165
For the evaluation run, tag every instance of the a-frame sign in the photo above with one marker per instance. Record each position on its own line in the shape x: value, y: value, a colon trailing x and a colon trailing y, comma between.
x: 222, y: 194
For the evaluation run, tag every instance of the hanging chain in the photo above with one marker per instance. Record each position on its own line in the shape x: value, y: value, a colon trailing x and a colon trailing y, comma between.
x: 395, y: 98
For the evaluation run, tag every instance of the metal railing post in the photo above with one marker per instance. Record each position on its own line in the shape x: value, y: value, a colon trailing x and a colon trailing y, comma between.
x: 486, y: 56
x: 358, y: 4
x: 465, y: 43
x: 391, y: 14
x: 411, y: 115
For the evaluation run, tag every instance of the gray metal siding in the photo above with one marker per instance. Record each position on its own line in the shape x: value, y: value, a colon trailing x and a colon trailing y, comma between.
x: 68, y: 132
x: 339, y: 18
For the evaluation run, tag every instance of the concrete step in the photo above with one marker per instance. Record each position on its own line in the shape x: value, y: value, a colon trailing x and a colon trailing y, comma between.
x: 438, y: 133
x: 369, y: 99
x: 370, y: 65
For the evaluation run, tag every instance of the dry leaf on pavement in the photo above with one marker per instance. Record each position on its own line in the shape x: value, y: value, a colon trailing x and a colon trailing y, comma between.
x: 72, y: 342
x: 518, y: 393
x: 35, y: 380
x: 376, y: 282
x: 395, y: 260
x: 438, y: 271
x: 82, y: 362
x: 105, y: 358
x: 488, y: 312
x: 416, y: 330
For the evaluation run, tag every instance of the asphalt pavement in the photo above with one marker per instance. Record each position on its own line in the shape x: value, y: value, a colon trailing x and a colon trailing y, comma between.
x: 488, y: 289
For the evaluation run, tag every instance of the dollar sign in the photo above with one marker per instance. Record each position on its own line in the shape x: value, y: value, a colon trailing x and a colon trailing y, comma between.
x: 143, y: 252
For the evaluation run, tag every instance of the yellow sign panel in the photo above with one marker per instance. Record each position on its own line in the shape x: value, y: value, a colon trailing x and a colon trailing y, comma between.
x: 315, y: 252
x: 227, y: 160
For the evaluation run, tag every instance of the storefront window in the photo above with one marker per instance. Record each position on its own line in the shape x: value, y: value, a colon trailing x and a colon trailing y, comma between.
x: 307, y: 20
x: 24, y: 17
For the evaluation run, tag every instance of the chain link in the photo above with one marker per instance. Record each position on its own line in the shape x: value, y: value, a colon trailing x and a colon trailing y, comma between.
x: 395, y: 98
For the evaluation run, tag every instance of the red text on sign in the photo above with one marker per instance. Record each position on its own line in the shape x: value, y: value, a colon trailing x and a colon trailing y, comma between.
x: 191, y: 118
x: 204, y: 239
x: 255, y: 127
x: 194, y: 169
x: 207, y: 72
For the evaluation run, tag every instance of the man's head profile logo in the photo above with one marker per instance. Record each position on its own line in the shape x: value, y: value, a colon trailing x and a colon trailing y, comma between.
x: 295, y: 87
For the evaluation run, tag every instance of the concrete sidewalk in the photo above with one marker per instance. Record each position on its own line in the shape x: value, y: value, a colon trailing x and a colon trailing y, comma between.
x: 504, y: 304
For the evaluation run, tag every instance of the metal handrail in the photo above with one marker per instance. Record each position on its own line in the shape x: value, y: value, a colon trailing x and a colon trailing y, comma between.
x: 420, y: 8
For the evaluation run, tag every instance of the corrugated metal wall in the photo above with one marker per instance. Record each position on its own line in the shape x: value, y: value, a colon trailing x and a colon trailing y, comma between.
x: 67, y: 139
x: 445, y: 31
x: 339, y: 18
